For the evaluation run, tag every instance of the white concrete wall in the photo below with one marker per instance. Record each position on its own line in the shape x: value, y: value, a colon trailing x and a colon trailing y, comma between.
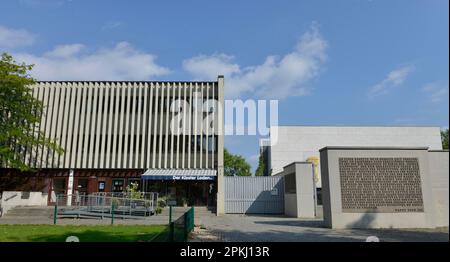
x: 439, y: 172
x: 297, y: 143
x: 302, y: 203
x: 305, y: 190
x: 290, y: 205
x: 11, y: 199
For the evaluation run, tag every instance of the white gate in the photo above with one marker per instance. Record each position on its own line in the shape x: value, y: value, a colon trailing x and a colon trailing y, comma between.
x: 254, y: 195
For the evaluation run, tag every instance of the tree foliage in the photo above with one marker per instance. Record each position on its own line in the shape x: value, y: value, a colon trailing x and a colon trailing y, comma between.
x: 261, y: 166
x: 20, y: 113
x: 444, y: 136
x: 235, y: 165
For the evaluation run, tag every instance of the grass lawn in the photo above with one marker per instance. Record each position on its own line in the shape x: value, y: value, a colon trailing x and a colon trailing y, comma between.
x: 86, y: 233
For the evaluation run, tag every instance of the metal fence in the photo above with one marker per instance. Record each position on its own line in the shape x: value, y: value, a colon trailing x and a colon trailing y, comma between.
x: 150, y: 196
x: 254, y: 195
x: 101, y: 206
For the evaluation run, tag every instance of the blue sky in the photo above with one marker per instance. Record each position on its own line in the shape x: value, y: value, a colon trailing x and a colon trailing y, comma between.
x: 351, y: 62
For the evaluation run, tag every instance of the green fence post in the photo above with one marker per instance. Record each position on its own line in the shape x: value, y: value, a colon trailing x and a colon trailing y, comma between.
x: 185, y: 228
x: 170, y: 214
x: 112, y: 214
x: 55, y: 213
x: 171, y: 231
x: 171, y: 226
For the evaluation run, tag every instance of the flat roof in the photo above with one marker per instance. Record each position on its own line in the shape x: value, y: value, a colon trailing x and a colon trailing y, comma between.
x: 343, y: 125
x: 119, y: 81
x: 128, y: 81
x: 370, y: 148
x: 297, y: 162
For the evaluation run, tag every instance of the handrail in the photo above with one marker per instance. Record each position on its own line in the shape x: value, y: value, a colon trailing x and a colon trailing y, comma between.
x: 100, y: 204
x: 11, y: 197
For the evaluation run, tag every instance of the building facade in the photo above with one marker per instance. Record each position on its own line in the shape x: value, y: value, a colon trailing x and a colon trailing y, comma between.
x: 288, y: 144
x: 164, y: 136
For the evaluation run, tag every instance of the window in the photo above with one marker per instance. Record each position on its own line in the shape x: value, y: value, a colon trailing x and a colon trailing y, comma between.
x: 117, y: 185
x: 289, y: 184
x: 101, y: 186
x: 134, y: 181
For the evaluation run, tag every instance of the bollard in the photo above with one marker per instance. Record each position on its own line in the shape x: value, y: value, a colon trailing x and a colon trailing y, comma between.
x: 170, y: 214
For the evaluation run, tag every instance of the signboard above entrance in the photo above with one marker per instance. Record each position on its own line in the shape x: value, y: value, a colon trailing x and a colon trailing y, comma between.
x: 180, y: 174
x: 193, y: 178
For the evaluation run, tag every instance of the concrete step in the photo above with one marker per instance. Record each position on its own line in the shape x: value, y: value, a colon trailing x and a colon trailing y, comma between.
x: 18, y: 212
x: 29, y: 213
x: 198, y: 211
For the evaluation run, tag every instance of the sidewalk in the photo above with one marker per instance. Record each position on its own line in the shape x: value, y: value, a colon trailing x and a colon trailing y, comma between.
x: 242, y: 228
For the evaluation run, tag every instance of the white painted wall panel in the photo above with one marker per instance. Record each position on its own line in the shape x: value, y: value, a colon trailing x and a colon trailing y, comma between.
x: 297, y: 143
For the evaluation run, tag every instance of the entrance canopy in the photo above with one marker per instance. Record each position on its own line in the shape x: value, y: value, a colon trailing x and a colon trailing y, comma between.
x: 180, y: 174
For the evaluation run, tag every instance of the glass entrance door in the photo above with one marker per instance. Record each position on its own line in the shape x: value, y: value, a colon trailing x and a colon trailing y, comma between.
x: 82, y: 186
x: 59, y: 186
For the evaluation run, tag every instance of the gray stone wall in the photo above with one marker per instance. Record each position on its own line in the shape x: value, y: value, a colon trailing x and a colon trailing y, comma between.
x: 439, y: 171
x: 397, y: 193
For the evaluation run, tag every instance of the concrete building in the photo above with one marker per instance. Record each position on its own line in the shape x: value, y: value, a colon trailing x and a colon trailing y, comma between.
x: 165, y: 136
x: 288, y: 144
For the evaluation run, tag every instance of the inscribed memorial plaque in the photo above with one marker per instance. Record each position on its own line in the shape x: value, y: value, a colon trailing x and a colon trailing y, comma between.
x: 383, y: 185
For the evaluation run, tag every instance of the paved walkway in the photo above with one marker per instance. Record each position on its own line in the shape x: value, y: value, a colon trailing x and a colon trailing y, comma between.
x: 271, y: 228
x: 248, y: 228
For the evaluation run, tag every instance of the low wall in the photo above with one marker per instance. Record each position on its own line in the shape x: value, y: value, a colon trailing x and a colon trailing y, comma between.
x: 290, y: 205
x: 11, y: 199
x: 299, y: 195
x: 439, y: 172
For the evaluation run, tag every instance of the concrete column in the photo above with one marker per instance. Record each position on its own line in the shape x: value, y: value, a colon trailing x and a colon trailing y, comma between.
x: 305, y: 190
x: 220, y: 148
x: 70, y: 188
x: 302, y: 203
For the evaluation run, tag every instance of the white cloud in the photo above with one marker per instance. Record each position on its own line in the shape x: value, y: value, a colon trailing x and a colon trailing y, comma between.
x: 65, y: 51
x: 437, y: 92
x: 209, y: 67
x: 393, y: 79
x: 75, y: 62
x: 13, y: 38
x: 275, y: 78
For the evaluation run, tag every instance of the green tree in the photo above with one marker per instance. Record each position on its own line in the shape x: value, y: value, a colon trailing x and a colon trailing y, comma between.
x: 261, y: 166
x: 444, y: 136
x: 19, y: 114
x: 235, y: 165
